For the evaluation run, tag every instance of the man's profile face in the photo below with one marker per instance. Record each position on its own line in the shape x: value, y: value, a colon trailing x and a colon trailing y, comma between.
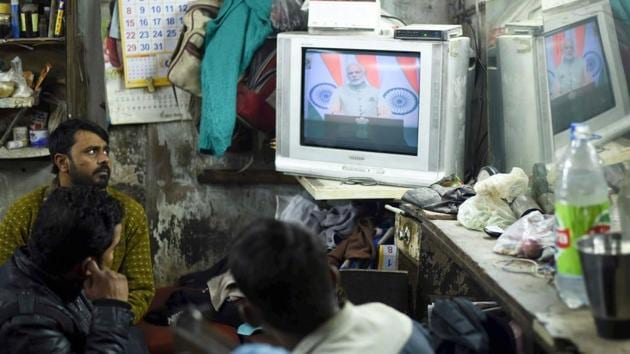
x: 88, y: 161
x: 355, y: 74
x: 568, y: 50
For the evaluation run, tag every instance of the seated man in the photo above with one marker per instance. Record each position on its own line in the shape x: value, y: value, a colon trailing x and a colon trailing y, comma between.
x: 80, y: 154
x: 70, y: 249
x: 291, y: 292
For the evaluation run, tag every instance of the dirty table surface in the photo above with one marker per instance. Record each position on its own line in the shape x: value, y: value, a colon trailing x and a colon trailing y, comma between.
x: 530, y: 300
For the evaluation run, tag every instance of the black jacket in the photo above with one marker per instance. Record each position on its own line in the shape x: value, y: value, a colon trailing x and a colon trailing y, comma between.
x: 101, y: 326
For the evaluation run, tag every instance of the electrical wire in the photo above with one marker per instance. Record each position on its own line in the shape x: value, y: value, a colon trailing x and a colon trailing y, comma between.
x: 523, y: 266
x: 395, y: 18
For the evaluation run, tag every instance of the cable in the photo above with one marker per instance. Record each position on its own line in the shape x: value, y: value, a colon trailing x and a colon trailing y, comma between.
x: 477, y: 48
x: 395, y: 18
x: 527, y: 266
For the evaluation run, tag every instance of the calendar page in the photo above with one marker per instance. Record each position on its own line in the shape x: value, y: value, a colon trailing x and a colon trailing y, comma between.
x: 132, y: 106
x: 135, y: 105
x: 149, y: 33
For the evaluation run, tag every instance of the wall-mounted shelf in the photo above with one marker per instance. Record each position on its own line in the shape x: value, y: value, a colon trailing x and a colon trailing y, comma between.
x: 23, y: 153
x: 32, y: 41
x: 325, y: 189
x: 20, y: 102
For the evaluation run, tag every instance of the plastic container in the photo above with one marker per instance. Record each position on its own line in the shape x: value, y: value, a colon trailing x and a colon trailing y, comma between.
x: 15, y: 18
x: 5, y: 20
x: 581, y: 208
x: 39, y: 138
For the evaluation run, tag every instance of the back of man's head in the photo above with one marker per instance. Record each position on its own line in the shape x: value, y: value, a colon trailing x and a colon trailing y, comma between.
x: 62, y: 138
x: 73, y: 224
x: 282, y: 270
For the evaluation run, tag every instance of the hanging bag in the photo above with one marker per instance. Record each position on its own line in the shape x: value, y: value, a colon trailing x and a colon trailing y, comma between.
x: 184, y: 70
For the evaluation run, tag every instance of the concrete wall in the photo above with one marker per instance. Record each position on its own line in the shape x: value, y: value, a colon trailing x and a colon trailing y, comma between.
x: 418, y: 11
x: 191, y: 223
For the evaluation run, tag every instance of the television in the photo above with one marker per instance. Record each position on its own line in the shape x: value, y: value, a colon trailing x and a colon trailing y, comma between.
x: 542, y: 93
x: 585, y: 76
x: 370, y: 107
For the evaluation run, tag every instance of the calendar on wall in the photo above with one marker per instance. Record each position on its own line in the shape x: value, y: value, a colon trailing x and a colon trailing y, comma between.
x: 135, y: 105
x: 149, y: 30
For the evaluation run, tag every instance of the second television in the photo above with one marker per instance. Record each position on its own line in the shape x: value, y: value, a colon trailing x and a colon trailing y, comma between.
x: 585, y: 76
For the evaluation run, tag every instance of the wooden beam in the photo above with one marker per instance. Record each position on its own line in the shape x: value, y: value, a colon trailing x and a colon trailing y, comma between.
x: 245, y: 177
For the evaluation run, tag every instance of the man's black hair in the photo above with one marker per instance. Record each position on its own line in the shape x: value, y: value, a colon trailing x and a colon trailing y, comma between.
x: 62, y: 138
x: 73, y: 224
x: 282, y: 269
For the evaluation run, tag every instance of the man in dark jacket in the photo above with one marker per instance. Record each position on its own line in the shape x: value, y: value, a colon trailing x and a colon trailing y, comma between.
x: 68, y: 300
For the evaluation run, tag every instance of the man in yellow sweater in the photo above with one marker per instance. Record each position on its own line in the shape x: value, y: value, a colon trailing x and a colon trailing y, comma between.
x: 80, y: 154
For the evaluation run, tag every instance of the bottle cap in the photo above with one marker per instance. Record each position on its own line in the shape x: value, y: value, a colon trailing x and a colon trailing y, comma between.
x: 582, y: 131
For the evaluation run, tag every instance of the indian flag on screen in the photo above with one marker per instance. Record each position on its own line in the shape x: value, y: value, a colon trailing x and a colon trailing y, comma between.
x: 396, y: 77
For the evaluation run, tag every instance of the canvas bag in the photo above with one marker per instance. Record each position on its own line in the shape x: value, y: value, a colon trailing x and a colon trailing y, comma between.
x: 459, y: 327
x: 184, y: 70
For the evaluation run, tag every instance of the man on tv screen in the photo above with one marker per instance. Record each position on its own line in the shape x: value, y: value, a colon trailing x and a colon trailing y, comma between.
x: 571, y: 72
x: 357, y: 97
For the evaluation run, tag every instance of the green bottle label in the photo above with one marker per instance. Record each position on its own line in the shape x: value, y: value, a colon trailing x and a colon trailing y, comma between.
x: 573, y: 222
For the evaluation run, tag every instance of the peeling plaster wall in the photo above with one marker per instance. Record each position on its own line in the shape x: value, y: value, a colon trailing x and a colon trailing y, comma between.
x: 18, y: 177
x: 191, y: 223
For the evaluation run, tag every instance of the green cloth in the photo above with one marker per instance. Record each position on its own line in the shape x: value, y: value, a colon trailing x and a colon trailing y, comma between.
x: 231, y: 40
x: 132, y: 255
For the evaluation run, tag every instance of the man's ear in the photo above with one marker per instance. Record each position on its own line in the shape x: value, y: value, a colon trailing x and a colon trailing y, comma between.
x: 61, y: 161
x: 84, y: 271
x: 249, y: 313
x: 334, y: 275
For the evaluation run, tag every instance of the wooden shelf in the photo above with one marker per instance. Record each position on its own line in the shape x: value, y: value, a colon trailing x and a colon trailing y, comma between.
x: 325, y: 189
x: 23, y: 153
x: 20, y: 102
x: 32, y: 41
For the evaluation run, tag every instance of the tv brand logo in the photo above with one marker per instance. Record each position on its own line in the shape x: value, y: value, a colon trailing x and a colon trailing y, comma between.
x: 356, y: 158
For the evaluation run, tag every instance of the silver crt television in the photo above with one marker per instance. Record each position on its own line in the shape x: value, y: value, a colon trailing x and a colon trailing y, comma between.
x: 401, y: 121
x: 543, y: 93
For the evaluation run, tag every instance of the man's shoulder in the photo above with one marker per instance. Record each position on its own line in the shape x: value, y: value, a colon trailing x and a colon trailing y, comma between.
x: 129, y: 203
x: 32, y: 200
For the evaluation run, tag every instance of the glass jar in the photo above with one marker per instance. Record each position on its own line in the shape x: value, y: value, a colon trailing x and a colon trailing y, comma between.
x: 5, y: 20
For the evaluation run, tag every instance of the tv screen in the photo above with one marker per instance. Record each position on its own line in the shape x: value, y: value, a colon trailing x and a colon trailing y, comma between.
x: 578, y: 74
x: 361, y: 100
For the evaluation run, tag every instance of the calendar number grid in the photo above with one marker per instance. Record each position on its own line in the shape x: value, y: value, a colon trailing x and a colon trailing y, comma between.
x: 149, y: 31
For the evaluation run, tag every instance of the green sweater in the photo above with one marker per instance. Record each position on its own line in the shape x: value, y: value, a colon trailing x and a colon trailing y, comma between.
x: 132, y: 256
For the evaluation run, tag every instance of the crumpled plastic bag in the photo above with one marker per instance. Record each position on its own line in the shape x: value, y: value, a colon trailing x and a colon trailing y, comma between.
x: 481, y: 210
x: 491, y: 204
x: 16, y: 74
x: 506, y: 186
x: 527, y: 237
x: 288, y: 15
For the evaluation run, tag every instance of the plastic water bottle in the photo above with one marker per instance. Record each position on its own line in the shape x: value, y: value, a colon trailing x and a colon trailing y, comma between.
x: 581, y: 207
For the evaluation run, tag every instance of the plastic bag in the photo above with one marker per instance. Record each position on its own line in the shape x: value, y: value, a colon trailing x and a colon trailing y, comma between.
x: 527, y: 237
x: 287, y: 15
x: 504, y: 186
x: 15, y: 74
x: 490, y: 205
x: 481, y: 210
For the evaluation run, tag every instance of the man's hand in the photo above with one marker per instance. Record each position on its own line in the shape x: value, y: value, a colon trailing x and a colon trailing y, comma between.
x: 105, y: 284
